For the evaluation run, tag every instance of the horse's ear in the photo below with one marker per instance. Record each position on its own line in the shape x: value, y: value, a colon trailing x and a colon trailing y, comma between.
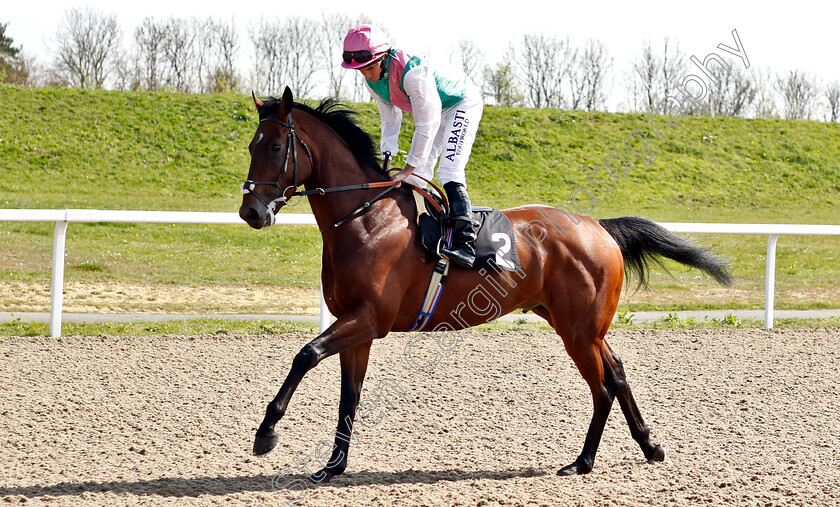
x: 288, y: 100
x: 257, y: 102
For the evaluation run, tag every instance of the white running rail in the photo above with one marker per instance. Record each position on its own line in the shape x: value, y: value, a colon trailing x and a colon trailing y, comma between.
x: 63, y: 217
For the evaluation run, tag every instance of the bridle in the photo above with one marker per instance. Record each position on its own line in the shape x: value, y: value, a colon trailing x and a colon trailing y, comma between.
x: 291, y: 149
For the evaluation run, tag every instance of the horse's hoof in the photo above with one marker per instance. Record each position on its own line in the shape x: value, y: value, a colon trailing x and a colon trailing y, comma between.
x: 264, y: 444
x: 568, y: 471
x: 658, y: 454
x: 573, y: 469
x: 323, y: 476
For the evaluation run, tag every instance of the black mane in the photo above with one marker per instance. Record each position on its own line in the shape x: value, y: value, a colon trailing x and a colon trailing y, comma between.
x: 341, y: 119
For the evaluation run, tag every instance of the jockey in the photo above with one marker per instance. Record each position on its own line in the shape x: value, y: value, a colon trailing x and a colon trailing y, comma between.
x: 447, y: 108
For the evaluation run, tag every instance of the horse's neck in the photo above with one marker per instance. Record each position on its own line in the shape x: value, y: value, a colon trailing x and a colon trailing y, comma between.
x: 334, y: 165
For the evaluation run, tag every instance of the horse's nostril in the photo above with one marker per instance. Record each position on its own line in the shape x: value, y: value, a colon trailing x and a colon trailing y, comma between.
x: 251, y: 216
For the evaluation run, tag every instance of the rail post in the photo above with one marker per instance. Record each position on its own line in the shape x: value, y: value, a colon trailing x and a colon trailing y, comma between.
x: 57, y: 282
x: 770, y: 280
x: 324, y: 317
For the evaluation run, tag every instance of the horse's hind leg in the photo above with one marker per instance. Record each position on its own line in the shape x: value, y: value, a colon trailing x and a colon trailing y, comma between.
x: 354, y: 364
x: 602, y: 383
x: 638, y: 428
x: 604, y: 373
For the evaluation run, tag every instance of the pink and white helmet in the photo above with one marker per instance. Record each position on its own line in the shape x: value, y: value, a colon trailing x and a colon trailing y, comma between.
x: 364, y: 45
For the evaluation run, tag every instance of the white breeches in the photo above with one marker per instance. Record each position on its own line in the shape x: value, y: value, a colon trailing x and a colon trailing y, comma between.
x: 453, y: 142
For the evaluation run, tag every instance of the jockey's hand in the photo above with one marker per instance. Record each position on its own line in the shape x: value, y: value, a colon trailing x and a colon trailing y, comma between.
x: 404, y: 172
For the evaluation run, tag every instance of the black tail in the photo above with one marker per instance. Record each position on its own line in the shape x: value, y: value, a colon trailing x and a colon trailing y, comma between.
x: 642, y: 240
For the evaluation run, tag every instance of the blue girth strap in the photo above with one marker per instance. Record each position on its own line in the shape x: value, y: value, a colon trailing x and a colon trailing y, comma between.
x: 433, y: 293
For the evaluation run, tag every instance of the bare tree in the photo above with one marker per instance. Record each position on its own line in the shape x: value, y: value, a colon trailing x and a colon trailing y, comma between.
x: 500, y: 82
x: 587, y: 78
x: 128, y: 72
x: 226, y: 48
x: 285, y: 54
x: 267, y: 56
x: 86, y: 41
x: 203, y: 53
x: 576, y: 82
x: 23, y: 70
x: 301, y: 54
x: 186, y: 55
x: 740, y: 93
x: 732, y: 92
x: 799, y: 92
x: 149, y: 38
x: 471, y: 60
x: 832, y: 97
x: 654, y: 76
x: 545, y: 63
x: 765, y: 98
x: 672, y: 68
x: 328, y: 48
x: 642, y: 81
x: 178, y: 51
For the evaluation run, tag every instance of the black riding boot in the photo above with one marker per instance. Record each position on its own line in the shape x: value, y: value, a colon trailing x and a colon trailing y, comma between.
x: 462, y: 252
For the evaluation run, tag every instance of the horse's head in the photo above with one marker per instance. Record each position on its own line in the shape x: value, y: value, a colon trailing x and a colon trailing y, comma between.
x: 277, y: 169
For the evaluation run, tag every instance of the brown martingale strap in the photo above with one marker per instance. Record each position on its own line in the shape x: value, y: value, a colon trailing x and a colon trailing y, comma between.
x: 390, y: 185
x: 395, y: 181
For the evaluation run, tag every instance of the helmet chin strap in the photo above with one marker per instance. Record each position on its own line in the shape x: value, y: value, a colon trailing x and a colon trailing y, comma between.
x: 383, y: 64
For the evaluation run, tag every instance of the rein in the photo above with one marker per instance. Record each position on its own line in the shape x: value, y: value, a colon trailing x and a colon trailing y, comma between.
x: 291, y: 149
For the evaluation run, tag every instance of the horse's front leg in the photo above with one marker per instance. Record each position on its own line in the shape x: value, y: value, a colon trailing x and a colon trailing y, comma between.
x: 354, y: 364
x: 342, y: 335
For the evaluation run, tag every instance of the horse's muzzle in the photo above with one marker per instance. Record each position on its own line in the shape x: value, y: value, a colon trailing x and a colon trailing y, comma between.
x: 256, y: 215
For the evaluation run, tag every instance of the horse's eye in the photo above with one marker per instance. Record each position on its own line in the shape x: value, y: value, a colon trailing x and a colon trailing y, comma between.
x: 275, y: 148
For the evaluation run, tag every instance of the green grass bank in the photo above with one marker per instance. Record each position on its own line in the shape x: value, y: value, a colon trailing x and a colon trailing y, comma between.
x: 69, y: 148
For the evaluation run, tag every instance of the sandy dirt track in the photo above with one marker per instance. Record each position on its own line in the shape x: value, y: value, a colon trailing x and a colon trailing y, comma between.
x: 748, y: 417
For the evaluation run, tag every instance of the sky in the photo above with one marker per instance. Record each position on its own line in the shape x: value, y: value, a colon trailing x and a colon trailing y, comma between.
x: 780, y: 36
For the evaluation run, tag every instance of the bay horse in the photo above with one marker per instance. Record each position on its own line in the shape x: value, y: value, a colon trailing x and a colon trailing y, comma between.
x: 375, y: 275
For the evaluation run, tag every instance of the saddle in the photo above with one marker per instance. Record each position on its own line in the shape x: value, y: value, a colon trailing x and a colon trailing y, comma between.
x: 495, y: 245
